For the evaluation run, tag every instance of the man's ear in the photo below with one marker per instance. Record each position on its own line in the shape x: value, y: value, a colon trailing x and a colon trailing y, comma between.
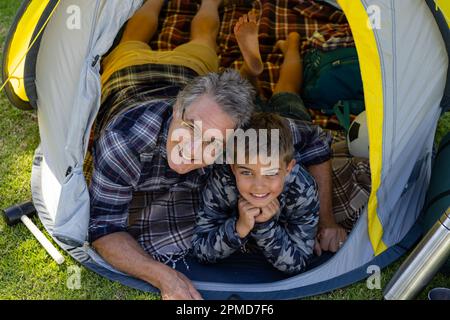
x: 177, y: 112
x: 291, y: 165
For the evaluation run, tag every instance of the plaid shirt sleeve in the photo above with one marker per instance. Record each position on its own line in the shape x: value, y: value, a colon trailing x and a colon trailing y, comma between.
x: 116, y: 170
x: 215, y: 235
x: 287, y: 240
x: 312, y: 143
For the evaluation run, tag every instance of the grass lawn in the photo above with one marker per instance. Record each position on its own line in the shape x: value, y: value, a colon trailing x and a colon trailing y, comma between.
x: 27, y: 272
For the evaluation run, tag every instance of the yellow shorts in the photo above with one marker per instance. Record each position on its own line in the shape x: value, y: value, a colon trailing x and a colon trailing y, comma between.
x: 200, y: 58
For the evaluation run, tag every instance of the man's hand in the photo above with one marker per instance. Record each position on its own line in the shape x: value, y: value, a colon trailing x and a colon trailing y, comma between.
x: 268, y: 212
x: 179, y: 287
x: 330, y: 237
x: 123, y: 252
x: 247, y: 215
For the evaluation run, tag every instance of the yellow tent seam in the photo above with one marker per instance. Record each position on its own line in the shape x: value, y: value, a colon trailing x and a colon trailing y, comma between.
x: 370, y: 63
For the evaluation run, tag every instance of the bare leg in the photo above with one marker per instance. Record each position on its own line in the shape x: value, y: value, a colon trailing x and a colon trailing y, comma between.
x: 206, y: 23
x: 143, y: 25
x: 291, y: 73
x: 251, y: 77
x: 246, y: 32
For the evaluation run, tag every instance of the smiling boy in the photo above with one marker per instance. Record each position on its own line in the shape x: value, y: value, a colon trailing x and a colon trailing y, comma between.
x: 276, y: 206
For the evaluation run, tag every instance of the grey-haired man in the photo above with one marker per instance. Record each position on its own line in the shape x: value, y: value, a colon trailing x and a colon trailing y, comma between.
x: 146, y: 185
x: 145, y: 188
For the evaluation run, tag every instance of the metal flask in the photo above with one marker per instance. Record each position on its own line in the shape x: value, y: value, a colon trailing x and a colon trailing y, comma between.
x: 423, y: 262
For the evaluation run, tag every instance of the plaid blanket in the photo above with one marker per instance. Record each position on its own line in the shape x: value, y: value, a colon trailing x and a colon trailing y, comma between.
x: 319, y: 24
x: 351, y: 183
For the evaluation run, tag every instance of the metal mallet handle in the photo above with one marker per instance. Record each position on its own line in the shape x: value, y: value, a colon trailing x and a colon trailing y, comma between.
x: 52, y: 251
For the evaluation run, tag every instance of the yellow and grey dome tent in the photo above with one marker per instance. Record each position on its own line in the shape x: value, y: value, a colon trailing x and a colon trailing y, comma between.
x: 51, y: 64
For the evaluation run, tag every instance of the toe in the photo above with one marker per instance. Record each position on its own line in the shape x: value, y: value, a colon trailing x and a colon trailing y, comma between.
x: 294, y: 39
x: 294, y: 36
x: 238, y: 25
x: 252, y: 16
x: 255, y: 16
x: 280, y: 45
x: 236, y: 28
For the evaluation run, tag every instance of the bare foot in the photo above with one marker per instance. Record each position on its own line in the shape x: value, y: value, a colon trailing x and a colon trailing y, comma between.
x: 246, y: 32
x: 293, y: 41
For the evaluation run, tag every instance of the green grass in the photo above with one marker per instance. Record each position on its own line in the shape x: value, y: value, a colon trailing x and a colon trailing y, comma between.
x: 27, y: 272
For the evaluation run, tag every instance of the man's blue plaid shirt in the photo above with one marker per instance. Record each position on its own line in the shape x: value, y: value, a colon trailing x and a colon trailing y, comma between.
x: 130, y: 162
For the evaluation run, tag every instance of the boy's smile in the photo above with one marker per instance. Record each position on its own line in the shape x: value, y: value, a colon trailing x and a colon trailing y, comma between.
x: 261, y: 184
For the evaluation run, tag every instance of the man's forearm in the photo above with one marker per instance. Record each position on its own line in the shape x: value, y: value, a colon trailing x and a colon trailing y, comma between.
x: 123, y: 252
x: 331, y: 235
x: 322, y: 175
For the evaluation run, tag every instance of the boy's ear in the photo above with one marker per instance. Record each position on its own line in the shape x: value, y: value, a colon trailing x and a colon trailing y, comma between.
x: 291, y: 165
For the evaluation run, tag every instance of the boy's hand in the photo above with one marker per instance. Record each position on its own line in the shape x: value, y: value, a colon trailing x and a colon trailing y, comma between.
x: 247, y: 215
x: 268, y: 212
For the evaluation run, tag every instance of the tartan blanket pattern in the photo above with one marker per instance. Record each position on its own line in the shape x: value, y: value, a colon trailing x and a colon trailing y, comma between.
x: 320, y: 25
x: 351, y: 183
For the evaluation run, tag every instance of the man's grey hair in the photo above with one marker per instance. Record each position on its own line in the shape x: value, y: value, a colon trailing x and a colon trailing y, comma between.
x: 234, y: 94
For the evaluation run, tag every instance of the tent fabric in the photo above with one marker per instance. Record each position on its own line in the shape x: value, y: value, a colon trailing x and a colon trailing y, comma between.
x: 441, y: 12
x: 369, y: 58
x: 438, y: 195
x: 444, y: 7
x: 412, y: 97
x: 30, y: 63
x: 393, y: 124
x: 29, y: 24
x: 404, y: 69
x: 66, y: 115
